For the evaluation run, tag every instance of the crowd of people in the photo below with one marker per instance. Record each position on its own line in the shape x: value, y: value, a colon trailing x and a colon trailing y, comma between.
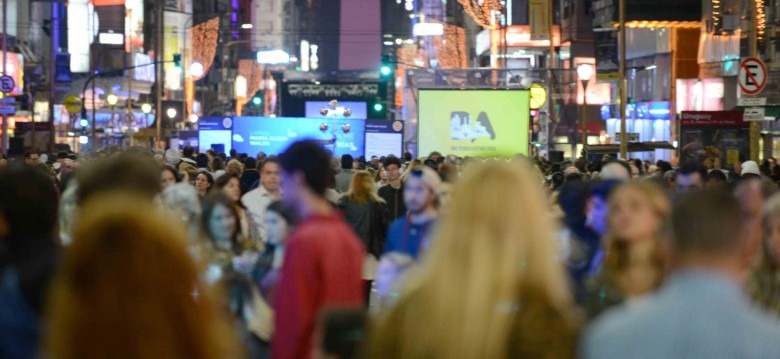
x: 303, y: 254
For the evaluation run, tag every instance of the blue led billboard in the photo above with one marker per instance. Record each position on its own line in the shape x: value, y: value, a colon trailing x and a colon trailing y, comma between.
x: 272, y: 135
x: 216, y: 133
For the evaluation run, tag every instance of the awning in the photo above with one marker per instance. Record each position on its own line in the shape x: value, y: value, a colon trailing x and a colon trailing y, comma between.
x: 632, y: 147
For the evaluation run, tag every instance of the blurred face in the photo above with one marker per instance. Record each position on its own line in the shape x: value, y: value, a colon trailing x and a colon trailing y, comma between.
x: 689, y: 182
x: 202, y: 183
x: 383, y: 174
x: 275, y: 227
x: 290, y: 189
x: 270, y: 177
x: 33, y: 159
x: 634, y: 171
x: 597, y: 214
x: 68, y: 165
x: 632, y: 217
x: 233, y: 189
x: 222, y: 224
x: 166, y: 180
x: 355, y: 166
x: 773, y: 237
x: 393, y: 172
x: 417, y: 197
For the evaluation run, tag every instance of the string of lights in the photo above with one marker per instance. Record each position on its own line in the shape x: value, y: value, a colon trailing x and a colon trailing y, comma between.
x: 484, y: 12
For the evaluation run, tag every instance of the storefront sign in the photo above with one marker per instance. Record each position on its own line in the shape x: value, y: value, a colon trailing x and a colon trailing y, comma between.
x: 606, y: 55
x: 712, y: 119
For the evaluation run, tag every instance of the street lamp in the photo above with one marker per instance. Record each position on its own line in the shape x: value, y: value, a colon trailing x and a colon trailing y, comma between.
x: 193, y: 118
x: 196, y: 69
x: 171, y: 112
x: 584, y: 72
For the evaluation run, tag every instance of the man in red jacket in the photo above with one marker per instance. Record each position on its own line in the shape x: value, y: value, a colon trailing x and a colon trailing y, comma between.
x: 323, y: 259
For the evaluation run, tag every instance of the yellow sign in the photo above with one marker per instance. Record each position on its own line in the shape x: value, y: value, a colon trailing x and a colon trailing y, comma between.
x: 539, y: 15
x: 73, y: 104
x: 732, y: 156
x: 480, y: 123
x: 538, y: 96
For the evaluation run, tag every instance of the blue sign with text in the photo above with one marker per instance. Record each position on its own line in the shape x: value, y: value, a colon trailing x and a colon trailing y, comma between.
x: 272, y: 135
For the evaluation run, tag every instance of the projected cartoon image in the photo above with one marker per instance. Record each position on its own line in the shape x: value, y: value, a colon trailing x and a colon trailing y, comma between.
x: 461, y: 127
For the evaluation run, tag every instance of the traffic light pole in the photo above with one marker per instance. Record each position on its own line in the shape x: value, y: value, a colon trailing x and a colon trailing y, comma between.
x: 91, y: 80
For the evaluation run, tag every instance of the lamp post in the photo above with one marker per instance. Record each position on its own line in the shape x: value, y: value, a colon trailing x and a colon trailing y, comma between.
x: 112, y: 100
x: 584, y: 72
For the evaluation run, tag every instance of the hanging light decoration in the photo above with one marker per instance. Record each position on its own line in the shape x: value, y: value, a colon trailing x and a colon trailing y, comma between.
x: 204, y: 44
x: 484, y: 12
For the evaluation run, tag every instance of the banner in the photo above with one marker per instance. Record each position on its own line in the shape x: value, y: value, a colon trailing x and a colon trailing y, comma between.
x: 539, y: 20
x: 607, y: 63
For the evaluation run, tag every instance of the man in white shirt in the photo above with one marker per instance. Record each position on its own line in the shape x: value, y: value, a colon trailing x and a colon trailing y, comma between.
x: 257, y: 200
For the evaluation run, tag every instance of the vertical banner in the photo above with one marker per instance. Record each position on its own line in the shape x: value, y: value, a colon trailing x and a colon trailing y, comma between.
x: 539, y: 20
x: 606, y: 55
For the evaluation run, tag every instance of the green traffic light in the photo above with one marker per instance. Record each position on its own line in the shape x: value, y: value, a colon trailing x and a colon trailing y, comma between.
x: 378, y: 107
x: 257, y: 101
x: 385, y: 70
x: 84, y: 122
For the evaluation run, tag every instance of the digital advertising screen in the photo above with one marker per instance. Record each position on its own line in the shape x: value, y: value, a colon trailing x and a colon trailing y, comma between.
x: 358, y: 109
x: 216, y: 133
x: 272, y: 135
x: 384, y: 137
x: 479, y: 123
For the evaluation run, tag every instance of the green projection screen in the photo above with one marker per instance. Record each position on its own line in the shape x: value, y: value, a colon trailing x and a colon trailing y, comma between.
x: 484, y: 123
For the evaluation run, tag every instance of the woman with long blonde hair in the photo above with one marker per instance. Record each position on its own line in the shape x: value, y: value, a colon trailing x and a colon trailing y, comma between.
x: 635, y: 262
x: 490, y: 286
x: 125, y: 290
x: 364, y: 211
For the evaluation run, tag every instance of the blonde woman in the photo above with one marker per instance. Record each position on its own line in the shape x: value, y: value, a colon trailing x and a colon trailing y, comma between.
x: 635, y: 262
x: 364, y: 211
x: 125, y: 290
x: 489, y: 286
x: 412, y: 165
x: 233, y: 166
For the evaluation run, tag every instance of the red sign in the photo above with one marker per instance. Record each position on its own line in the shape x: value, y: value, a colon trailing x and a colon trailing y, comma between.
x: 713, y: 119
x: 752, y: 76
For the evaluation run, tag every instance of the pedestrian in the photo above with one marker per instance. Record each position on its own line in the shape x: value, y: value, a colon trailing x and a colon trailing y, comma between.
x: 257, y: 200
x: 182, y: 202
x: 409, y: 234
x: 230, y: 185
x: 393, y: 192
x: 125, y: 290
x: 764, y: 281
x: 188, y: 173
x: 323, y: 257
x: 344, y: 178
x: 188, y: 156
x: 279, y: 222
x: 218, y: 167
x: 203, y: 183
x: 702, y: 311
x: 169, y: 176
x: 28, y: 257
x: 490, y: 286
x: 364, y: 211
x: 250, y: 174
x: 690, y: 177
x: 635, y: 261
x: 226, y: 250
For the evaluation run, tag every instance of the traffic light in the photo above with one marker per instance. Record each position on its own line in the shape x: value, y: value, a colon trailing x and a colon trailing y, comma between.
x: 379, y: 107
x: 257, y: 100
x: 177, y: 60
x: 83, y: 122
x: 386, y: 69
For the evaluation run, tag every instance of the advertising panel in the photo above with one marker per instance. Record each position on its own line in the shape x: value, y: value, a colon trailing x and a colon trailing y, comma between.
x: 82, y: 29
x: 484, y: 123
x: 384, y: 138
x: 272, y: 135
x: 714, y: 134
x: 216, y: 133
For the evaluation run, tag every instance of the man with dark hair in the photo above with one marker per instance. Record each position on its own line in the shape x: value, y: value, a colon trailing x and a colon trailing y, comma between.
x: 344, y: 177
x: 393, y: 193
x: 407, y: 157
x: 435, y: 156
x: 702, y: 310
x: 28, y: 256
x: 31, y: 158
x: 250, y: 174
x: 374, y: 162
x: 690, y: 177
x: 188, y: 156
x: 323, y: 260
x: 202, y: 160
x: 233, y: 154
